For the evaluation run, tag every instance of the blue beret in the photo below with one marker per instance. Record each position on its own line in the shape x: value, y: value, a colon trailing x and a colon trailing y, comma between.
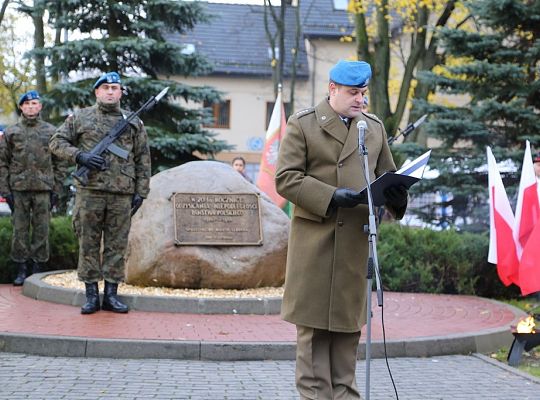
x: 30, y: 95
x: 109, y: 77
x: 351, y: 73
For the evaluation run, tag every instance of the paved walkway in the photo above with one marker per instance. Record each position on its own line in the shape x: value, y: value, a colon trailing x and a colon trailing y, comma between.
x: 415, y: 325
x: 436, y: 378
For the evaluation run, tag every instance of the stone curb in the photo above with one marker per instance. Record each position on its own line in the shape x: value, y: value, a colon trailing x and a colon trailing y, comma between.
x: 65, y: 346
x: 35, y: 288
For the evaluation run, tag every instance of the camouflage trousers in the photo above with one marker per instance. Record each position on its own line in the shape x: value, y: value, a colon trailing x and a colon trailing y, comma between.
x: 30, y: 219
x: 101, y: 221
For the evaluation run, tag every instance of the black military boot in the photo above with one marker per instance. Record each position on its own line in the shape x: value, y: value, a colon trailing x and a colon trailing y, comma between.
x: 37, y: 267
x: 22, y: 273
x: 92, y: 299
x: 110, y: 299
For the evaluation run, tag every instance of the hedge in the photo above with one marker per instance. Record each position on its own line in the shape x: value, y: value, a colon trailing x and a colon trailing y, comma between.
x: 410, y: 259
x: 423, y: 260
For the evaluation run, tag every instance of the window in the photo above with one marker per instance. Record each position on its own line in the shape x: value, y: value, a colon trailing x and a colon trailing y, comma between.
x: 221, y: 114
x: 341, y: 4
x: 270, y: 108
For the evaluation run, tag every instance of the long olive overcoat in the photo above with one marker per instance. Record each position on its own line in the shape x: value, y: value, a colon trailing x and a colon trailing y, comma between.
x: 325, y: 283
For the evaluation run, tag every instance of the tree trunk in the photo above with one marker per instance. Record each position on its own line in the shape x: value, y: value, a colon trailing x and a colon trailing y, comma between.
x: 378, y: 86
x: 39, y: 44
x: 428, y: 60
x: 298, y: 34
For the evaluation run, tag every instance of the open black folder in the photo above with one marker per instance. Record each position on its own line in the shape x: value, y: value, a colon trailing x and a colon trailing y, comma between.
x: 379, y: 185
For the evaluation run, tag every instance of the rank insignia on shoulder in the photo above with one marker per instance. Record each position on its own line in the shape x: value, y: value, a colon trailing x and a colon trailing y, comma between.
x: 306, y: 111
x: 373, y: 117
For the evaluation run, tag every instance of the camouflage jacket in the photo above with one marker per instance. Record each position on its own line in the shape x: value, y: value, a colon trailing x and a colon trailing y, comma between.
x: 84, y: 129
x: 26, y: 164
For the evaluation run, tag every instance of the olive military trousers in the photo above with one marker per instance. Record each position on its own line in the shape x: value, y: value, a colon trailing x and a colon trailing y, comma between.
x: 326, y: 364
x: 101, y: 221
x: 30, y: 218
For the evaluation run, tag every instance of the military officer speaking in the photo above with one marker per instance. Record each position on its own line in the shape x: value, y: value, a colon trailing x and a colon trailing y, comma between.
x: 115, y: 190
x: 320, y: 170
x: 30, y: 180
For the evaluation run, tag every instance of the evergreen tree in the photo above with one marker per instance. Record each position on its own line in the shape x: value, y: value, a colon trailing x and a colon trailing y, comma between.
x: 497, y: 69
x: 129, y: 37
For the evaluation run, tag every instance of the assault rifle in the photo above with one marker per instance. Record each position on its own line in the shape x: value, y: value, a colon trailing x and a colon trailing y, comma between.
x: 107, y: 143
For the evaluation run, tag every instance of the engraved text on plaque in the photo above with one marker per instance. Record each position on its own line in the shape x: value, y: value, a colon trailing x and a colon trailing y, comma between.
x: 231, y: 219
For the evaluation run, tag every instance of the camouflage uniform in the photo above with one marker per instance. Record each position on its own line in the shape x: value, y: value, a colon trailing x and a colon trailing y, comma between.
x: 30, y: 173
x: 102, y: 207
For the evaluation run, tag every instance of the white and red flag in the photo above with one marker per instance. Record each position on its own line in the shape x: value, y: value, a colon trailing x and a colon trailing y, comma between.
x: 267, y: 171
x: 527, y: 227
x: 502, y: 248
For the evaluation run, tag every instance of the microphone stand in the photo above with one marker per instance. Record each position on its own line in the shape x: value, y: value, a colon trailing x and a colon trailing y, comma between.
x: 372, y: 264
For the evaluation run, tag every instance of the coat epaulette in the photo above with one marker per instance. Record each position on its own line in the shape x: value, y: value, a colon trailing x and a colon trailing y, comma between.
x: 304, y: 112
x: 373, y: 117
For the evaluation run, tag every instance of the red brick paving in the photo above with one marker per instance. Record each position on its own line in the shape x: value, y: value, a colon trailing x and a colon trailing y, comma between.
x: 407, y: 316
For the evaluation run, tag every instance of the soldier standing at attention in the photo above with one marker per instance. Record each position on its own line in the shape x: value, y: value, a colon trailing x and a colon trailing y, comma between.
x: 320, y: 170
x: 27, y: 181
x: 115, y: 190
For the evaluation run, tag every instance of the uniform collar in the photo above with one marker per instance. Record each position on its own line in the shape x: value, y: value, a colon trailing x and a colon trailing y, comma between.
x: 330, y: 121
x: 109, y: 108
x: 29, y: 121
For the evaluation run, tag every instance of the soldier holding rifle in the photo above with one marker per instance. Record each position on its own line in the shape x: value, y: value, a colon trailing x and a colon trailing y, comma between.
x: 112, y: 188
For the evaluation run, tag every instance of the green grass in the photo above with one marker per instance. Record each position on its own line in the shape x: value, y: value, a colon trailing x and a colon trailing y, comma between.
x: 530, y: 361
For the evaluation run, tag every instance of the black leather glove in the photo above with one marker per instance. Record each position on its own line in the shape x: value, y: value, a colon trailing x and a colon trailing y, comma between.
x: 54, y: 199
x: 90, y: 160
x: 396, y: 196
x: 9, y: 200
x: 136, y: 202
x: 347, y: 198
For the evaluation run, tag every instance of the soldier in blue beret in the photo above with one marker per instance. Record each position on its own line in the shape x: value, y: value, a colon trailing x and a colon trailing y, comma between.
x: 118, y: 182
x: 351, y: 73
x: 320, y: 171
x: 109, y: 77
x: 30, y: 95
x: 30, y: 178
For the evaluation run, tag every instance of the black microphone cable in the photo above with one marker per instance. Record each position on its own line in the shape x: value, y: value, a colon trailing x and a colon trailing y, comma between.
x: 384, y: 340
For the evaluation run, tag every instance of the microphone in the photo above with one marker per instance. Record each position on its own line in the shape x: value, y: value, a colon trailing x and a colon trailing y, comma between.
x: 362, y: 127
x: 411, y: 127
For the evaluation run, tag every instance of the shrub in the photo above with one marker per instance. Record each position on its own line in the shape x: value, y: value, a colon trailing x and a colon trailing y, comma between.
x: 423, y: 260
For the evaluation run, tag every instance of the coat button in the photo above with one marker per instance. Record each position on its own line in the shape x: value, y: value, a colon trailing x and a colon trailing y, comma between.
x: 340, y: 165
x: 340, y: 223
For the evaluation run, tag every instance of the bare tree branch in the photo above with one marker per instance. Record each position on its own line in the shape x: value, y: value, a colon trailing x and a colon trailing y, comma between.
x: 3, y: 10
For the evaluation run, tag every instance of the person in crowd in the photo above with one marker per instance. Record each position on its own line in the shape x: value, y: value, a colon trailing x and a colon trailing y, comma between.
x: 239, y: 164
x: 115, y: 190
x: 320, y: 170
x: 30, y: 181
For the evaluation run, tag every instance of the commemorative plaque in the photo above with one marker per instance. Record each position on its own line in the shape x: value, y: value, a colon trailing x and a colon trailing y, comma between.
x: 230, y: 219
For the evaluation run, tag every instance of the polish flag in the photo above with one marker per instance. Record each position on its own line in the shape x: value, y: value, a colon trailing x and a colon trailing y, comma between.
x: 274, y: 134
x: 527, y: 227
x: 502, y: 248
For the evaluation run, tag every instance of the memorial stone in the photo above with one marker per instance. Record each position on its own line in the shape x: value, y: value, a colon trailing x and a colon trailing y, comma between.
x: 156, y: 257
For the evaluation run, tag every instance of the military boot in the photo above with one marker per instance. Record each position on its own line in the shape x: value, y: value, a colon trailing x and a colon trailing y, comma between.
x: 110, y: 299
x: 37, y: 267
x: 92, y: 299
x: 22, y: 273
